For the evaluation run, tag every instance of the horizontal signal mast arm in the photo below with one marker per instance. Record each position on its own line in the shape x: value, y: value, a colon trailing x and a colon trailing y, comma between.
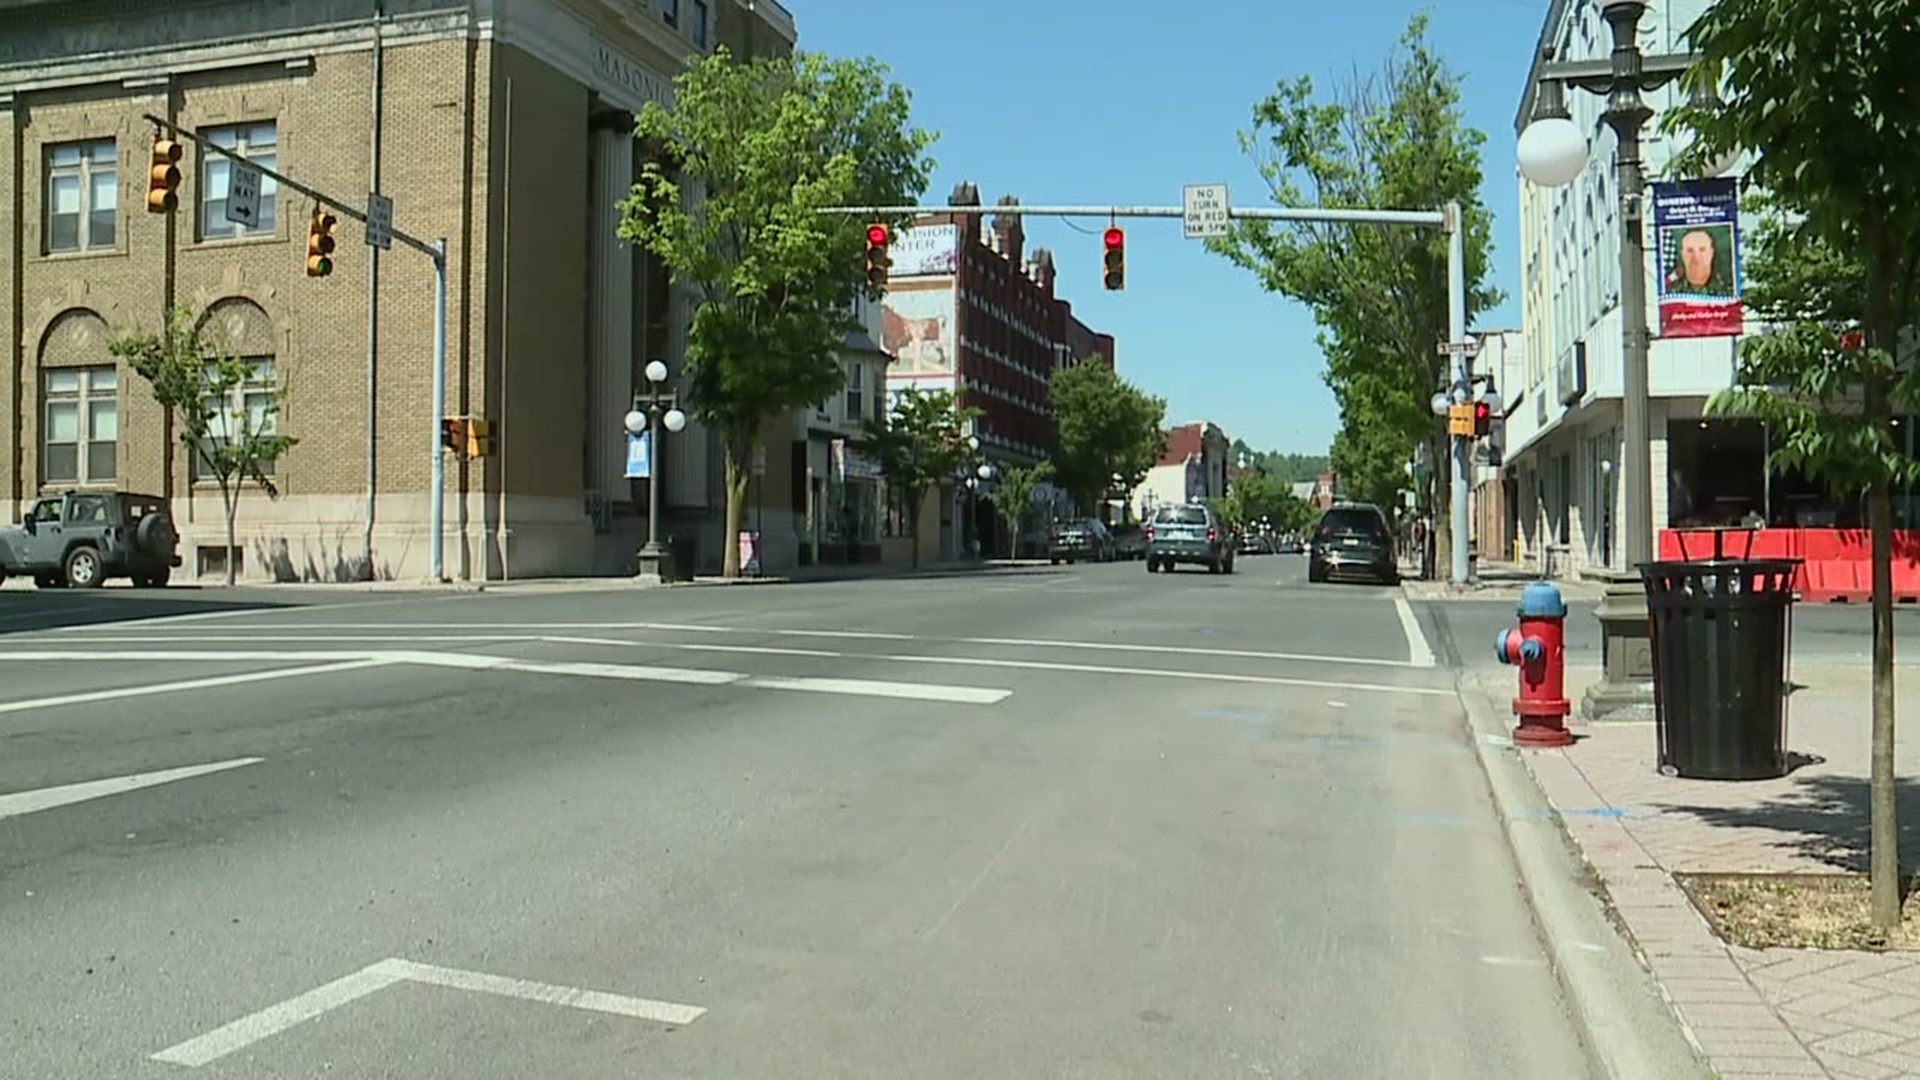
x: 1430, y: 218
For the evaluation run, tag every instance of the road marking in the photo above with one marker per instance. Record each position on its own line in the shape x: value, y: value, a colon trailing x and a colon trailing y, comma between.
x: 1421, y: 652
x: 346, y: 661
x: 1513, y: 961
x: 358, y: 630
x: 1165, y: 673
x: 244, y: 1032
x: 150, y: 689
x: 32, y: 802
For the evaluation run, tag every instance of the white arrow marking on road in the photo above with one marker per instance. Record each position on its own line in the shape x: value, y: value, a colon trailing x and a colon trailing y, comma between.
x: 29, y: 802
x: 1421, y: 654
x: 274, y: 1019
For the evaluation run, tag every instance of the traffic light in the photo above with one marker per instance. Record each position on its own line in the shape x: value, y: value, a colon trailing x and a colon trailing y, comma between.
x: 163, y: 177
x: 479, y: 438
x: 453, y: 434
x: 1482, y: 419
x: 320, y: 243
x: 1116, y: 258
x: 877, y: 261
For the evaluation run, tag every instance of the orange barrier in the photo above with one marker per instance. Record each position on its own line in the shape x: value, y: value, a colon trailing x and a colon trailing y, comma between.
x: 1836, y: 565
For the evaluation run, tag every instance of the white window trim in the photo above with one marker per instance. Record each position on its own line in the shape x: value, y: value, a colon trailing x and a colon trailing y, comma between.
x: 83, y: 437
x: 267, y: 384
x: 83, y: 170
x: 219, y: 230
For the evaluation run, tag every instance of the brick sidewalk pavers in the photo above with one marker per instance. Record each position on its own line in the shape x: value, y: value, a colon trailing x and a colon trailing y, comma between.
x: 1755, y: 1013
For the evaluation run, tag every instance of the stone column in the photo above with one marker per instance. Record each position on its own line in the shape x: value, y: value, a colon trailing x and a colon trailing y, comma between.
x: 611, y: 300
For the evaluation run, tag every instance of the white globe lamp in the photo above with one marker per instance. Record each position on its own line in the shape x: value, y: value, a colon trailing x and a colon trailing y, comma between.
x: 1552, y: 151
x: 635, y: 422
x: 675, y: 420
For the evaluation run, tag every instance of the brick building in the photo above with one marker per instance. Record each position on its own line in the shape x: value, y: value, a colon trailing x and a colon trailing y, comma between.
x: 970, y: 310
x: 502, y: 125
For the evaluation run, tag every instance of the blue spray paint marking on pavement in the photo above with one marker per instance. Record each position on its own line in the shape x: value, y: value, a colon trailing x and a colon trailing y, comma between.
x: 1578, y: 811
x: 1367, y: 741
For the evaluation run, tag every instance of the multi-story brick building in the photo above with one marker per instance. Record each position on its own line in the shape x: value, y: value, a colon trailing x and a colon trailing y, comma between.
x: 504, y: 126
x: 970, y: 311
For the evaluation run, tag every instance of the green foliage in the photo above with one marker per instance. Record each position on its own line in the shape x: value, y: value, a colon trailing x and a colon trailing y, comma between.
x: 747, y: 157
x: 1253, y: 497
x: 922, y: 444
x: 1805, y: 376
x: 1104, y: 426
x: 199, y: 382
x: 1284, y: 467
x: 1393, y: 140
x: 1821, y: 91
x: 1013, y: 495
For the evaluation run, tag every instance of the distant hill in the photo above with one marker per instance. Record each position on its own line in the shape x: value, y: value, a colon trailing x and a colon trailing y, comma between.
x: 1286, y: 468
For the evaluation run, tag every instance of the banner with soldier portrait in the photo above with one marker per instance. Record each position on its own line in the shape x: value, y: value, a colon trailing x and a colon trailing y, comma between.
x: 1696, y: 228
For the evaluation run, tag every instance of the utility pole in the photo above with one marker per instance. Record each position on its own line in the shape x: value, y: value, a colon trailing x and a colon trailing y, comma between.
x: 379, y: 230
x: 1206, y: 211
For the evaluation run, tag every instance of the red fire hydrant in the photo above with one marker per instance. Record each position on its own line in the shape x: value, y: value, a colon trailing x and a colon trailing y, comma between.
x: 1538, y: 647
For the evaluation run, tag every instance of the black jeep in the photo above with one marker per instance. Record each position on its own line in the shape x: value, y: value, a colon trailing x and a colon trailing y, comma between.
x: 82, y: 538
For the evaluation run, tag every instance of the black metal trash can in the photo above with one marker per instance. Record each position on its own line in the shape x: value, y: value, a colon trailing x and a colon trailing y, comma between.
x: 1721, y: 630
x: 681, y: 553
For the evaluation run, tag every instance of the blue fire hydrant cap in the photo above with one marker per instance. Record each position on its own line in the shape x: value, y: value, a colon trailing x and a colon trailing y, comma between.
x: 1541, y: 600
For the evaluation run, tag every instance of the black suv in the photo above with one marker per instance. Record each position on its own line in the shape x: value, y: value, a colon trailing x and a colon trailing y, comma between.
x: 82, y: 538
x: 1352, y: 542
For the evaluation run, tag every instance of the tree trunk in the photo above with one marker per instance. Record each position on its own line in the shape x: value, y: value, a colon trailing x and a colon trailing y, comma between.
x: 230, y: 502
x: 736, y: 507
x: 916, y: 502
x: 1883, y: 813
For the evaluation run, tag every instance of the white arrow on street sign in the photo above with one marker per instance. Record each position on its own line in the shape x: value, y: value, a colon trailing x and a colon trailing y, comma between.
x: 243, y: 194
x: 1204, y: 210
x: 379, y: 221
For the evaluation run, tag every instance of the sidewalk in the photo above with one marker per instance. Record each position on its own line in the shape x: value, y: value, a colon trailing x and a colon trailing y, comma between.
x: 610, y: 583
x: 1755, y: 1012
x: 1492, y: 581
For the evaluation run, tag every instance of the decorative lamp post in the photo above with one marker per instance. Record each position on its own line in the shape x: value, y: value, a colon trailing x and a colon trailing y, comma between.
x: 655, y: 407
x: 1552, y: 151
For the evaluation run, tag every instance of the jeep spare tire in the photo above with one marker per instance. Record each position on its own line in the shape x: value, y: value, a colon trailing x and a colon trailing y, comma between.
x: 155, y: 536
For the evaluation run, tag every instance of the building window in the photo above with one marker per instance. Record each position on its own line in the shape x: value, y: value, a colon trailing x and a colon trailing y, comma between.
x: 698, y: 28
x: 258, y: 143
x: 82, y: 436
x: 250, y: 410
x: 856, y: 391
x: 670, y: 11
x: 83, y: 195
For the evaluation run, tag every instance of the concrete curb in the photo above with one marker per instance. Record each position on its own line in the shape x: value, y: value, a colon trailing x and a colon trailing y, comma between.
x: 1628, y: 1028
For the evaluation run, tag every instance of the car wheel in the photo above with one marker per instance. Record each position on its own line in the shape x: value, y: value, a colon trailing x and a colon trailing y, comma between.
x: 83, y: 569
x: 1153, y: 566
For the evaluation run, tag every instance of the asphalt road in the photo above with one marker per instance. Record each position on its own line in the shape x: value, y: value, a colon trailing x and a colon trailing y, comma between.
x: 1073, y: 823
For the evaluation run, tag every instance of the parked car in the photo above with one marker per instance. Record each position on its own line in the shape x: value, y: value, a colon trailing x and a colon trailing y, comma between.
x: 1129, y: 541
x: 1352, y: 542
x: 1188, y: 534
x: 1084, y: 540
x: 82, y: 538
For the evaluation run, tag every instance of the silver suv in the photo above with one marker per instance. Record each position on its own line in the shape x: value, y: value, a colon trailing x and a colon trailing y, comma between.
x: 82, y: 538
x: 1188, y: 533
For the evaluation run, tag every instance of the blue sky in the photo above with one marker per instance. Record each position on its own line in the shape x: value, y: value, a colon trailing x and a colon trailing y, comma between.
x: 1123, y: 101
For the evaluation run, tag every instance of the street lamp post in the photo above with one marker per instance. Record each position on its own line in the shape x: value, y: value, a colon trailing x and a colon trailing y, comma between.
x: 653, y: 409
x: 1552, y: 151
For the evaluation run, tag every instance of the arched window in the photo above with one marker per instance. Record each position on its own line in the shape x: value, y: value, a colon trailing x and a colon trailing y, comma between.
x: 80, y: 402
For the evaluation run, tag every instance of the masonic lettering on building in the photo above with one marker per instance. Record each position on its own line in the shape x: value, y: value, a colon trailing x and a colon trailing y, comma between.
x: 630, y: 76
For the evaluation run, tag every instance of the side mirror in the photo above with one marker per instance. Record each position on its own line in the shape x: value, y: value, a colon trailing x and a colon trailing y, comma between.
x: 30, y: 525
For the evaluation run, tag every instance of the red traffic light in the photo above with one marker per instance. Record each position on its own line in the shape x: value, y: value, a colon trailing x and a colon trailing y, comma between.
x: 1481, y: 410
x: 876, y: 234
x: 1115, y: 237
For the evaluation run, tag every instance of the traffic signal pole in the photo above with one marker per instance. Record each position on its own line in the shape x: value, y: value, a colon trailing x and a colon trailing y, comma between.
x: 1448, y: 219
x: 437, y: 252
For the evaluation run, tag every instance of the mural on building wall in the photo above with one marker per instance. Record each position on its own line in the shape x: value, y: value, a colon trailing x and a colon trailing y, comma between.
x: 916, y: 327
x: 925, y: 249
x: 1697, y: 229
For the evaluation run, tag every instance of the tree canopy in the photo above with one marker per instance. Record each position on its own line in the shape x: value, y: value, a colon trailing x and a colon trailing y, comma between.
x: 1819, y: 92
x: 1104, y: 426
x: 745, y: 159
x: 921, y: 444
x: 1392, y: 139
x: 1013, y: 495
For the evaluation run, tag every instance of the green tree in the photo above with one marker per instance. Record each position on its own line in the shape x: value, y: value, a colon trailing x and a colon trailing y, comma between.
x: 1396, y: 139
x: 1284, y: 467
x: 1819, y: 91
x: 922, y: 444
x: 1104, y: 426
x: 1255, y: 497
x: 1013, y: 495
x: 763, y: 146
x: 201, y: 384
